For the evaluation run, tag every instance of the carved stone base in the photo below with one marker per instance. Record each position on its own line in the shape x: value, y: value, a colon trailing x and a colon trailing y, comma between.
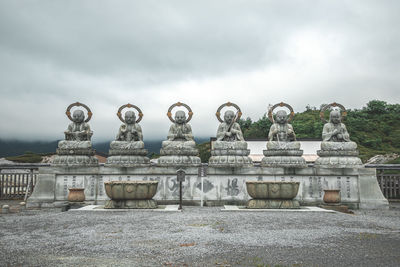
x: 230, y: 161
x: 179, y: 160
x: 127, y: 160
x: 338, y: 162
x: 272, y: 204
x: 283, y: 161
x: 75, y: 160
x: 131, y: 204
x: 338, y: 155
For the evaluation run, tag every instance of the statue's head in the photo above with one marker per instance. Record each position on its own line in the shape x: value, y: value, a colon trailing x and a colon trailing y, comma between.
x: 229, y: 116
x: 281, y: 117
x: 78, y: 116
x: 180, y: 117
x: 130, y: 117
x: 335, y: 116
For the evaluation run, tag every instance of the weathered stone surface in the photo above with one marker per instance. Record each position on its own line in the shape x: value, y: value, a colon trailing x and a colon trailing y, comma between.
x: 179, y: 149
x: 282, y: 148
x: 283, y: 154
x: 128, y: 148
x: 272, y: 189
x: 337, y: 151
x: 230, y: 149
x: 359, y: 186
x: 131, y: 204
x: 272, y: 204
x: 76, y: 149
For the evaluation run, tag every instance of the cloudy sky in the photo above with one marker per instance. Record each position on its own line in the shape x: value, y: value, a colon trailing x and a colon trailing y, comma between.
x: 203, y: 53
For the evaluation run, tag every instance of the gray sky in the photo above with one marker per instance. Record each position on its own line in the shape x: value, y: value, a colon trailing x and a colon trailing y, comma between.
x: 203, y: 53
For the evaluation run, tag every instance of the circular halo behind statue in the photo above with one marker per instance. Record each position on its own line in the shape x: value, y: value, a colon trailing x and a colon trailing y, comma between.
x: 271, y: 110
x: 77, y: 104
x: 119, y: 113
x: 228, y: 104
x: 179, y: 104
x: 334, y: 104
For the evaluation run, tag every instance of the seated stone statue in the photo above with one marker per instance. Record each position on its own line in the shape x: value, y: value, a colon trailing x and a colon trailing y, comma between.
x: 337, y: 151
x: 128, y: 148
x: 129, y: 135
x: 179, y: 134
x: 335, y: 130
x: 76, y: 149
x: 229, y: 130
x: 281, y: 130
x: 282, y: 148
x: 230, y: 149
x: 180, y: 148
x: 78, y: 130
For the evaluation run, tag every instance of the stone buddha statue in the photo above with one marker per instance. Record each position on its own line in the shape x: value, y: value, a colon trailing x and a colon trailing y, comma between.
x: 180, y: 133
x: 230, y: 149
x: 281, y: 130
x: 78, y: 130
x: 130, y: 130
x: 229, y: 130
x: 337, y: 151
x: 128, y: 148
x: 335, y: 130
x: 282, y: 148
x: 180, y: 148
x: 76, y: 149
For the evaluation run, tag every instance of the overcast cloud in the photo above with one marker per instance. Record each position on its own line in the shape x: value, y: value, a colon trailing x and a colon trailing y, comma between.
x: 203, y: 53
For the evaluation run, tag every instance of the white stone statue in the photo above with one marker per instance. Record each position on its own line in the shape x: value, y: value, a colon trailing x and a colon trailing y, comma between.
x: 230, y: 149
x: 128, y: 148
x: 337, y: 151
x: 180, y: 147
x: 76, y: 149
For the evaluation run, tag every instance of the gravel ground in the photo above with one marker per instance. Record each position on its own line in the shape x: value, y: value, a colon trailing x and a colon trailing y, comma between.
x: 200, y: 237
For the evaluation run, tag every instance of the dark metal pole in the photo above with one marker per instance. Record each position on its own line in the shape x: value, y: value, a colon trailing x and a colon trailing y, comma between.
x: 180, y: 195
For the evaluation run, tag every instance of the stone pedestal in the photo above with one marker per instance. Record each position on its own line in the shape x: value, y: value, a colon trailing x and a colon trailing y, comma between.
x: 179, y: 153
x: 127, y: 154
x: 283, y: 154
x: 338, y: 155
x: 131, y: 204
x: 230, y: 154
x: 75, y: 153
x: 272, y: 204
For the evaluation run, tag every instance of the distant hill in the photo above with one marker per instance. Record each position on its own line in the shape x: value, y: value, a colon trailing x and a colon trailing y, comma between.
x: 18, y: 147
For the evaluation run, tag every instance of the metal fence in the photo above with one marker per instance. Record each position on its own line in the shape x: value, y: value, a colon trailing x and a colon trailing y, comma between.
x: 388, y: 176
x: 18, y: 181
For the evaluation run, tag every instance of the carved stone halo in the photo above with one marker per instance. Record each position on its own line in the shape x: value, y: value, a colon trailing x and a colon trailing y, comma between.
x: 77, y: 104
x: 271, y: 110
x: 228, y: 104
x: 119, y: 113
x: 179, y: 104
x: 334, y: 104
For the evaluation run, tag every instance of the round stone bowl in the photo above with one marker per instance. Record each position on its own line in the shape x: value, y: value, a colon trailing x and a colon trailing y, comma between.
x: 272, y: 190
x: 131, y: 190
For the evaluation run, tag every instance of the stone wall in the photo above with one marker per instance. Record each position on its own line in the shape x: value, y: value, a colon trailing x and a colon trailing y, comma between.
x: 359, y: 187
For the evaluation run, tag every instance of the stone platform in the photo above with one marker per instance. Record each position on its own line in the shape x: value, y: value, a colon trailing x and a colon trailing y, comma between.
x: 222, y: 186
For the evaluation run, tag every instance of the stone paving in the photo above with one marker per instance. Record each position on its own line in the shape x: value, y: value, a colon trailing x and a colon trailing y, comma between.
x: 200, y: 237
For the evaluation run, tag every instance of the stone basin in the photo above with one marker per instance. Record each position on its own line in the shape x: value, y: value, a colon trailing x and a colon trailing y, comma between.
x: 272, y: 190
x: 131, y: 190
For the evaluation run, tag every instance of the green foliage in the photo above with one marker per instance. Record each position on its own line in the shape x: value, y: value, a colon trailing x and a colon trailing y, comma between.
x: 204, y: 151
x: 28, y: 157
x: 154, y: 155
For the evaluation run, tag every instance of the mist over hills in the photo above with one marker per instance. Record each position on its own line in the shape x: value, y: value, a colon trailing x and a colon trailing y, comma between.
x: 18, y: 147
